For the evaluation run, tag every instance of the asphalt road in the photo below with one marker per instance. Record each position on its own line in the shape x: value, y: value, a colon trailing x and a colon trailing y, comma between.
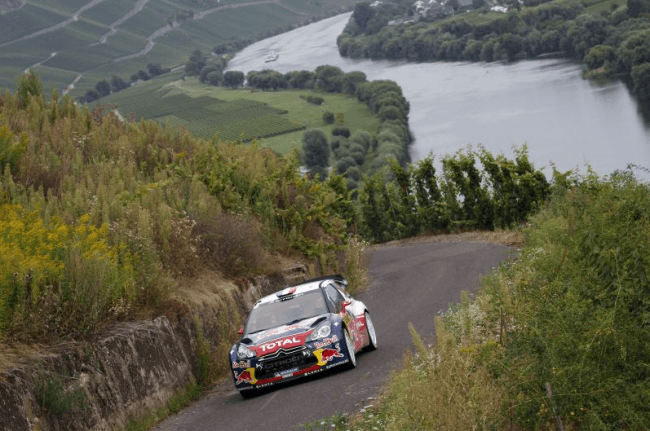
x: 408, y: 284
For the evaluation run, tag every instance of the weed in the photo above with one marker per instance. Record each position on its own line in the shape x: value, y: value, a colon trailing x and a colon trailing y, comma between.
x: 59, y: 394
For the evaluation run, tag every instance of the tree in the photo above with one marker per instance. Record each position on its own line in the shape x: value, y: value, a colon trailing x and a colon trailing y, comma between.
x: 214, y: 77
x: 511, y: 44
x: 29, y: 85
x: 154, y: 69
x: 195, y: 63
x: 301, y: 79
x: 351, y: 80
x: 362, y: 15
x: 328, y: 117
x: 91, y: 96
x: 641, y: 80
x: 477, y: 4
x: 143, y: 75
x: 316, y: 151
x: 118, y: 84
x: 637, y: 7
x: 233, y: 78
x: 203, y: 76
x: 329, y: 79
x: 103, y: 88
x: 598, y: 55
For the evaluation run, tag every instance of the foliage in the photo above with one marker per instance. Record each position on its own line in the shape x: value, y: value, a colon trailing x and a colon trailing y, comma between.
x: 504, y: 193
x: 29, y: 86
x: 316, y: 149
x: 641, y: 79
x: 316, y: 100
x: 609, y: 40
x: 557, y: 338
x: 100, y: 217
x: 195, y: 63
x: 233, y: 79
x: 328, y: 117
x: 53, y: 393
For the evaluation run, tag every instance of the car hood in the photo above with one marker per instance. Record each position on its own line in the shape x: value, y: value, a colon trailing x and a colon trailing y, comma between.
x: 281, y: 337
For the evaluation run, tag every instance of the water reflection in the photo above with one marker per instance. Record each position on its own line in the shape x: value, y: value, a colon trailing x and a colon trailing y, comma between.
x: 544, y: 103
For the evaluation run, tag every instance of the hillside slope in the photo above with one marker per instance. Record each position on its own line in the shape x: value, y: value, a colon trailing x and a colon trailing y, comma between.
x: 73, y: 44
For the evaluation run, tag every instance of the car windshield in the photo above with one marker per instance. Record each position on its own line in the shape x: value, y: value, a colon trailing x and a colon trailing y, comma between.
x: 278, y: 313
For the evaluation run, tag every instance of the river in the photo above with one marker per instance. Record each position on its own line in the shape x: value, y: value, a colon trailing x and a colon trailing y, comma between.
x: 544, y: 103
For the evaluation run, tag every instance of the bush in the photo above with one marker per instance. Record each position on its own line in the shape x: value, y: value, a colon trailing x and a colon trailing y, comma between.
x: 314, y: 100
x: 341, y: 131
x: 328, y: 117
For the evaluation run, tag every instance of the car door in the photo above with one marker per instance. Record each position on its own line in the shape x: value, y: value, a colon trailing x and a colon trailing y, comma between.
x: 337, y: 301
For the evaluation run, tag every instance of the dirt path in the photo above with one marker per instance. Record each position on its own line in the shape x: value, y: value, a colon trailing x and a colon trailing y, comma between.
x: 199, y: 15
x: 410, y: 283
x: 137, y: 8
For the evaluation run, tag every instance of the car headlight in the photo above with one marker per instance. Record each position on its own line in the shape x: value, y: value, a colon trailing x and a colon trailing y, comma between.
x: 322, y: 331
x: 244, y: 352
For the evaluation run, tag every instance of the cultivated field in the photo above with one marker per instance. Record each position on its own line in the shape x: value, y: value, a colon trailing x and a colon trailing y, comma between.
x: 69, y: 37
x: 277, y: 117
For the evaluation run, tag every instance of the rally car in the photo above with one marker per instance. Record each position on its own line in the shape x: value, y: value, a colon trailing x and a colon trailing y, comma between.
x: 299, y: 331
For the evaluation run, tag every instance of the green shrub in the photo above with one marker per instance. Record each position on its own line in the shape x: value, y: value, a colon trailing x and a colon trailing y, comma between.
x: 328, y: 117
x: 341, y: 131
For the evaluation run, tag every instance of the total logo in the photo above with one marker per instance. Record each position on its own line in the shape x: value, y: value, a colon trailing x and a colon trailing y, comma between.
x: 281, y: 343
x: 287, y: 342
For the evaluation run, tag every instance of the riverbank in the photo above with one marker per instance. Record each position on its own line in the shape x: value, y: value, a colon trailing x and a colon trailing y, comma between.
x: 545, y: 103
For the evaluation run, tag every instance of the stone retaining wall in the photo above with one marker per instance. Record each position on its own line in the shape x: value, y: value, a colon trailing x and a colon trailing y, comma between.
x: 133, y: 368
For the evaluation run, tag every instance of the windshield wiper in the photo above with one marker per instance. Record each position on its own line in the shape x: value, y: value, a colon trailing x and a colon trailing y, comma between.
x: 298, y: 320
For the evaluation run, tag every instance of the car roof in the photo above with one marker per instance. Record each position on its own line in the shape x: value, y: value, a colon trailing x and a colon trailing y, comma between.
x: 304, y: 287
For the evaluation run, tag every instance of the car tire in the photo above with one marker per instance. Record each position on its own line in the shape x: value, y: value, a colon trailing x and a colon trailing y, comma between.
x: 248, y: 394
x: 350, y: 348
x: 372, y: 335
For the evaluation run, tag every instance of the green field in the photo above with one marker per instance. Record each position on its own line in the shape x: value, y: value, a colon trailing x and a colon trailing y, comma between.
x: 26, y: 20
x: 78, y: 50
x: 108, y: 12
x: 277, y: 117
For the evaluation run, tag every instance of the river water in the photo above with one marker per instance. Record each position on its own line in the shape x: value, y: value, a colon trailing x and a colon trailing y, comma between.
x: 545, y: 103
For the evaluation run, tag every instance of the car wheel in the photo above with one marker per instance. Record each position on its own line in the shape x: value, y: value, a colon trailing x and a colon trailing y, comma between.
x: 350, y: 347
x: 372, y: 335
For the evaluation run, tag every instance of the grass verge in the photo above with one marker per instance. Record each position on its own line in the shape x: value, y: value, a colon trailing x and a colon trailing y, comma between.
x: 557, y: 339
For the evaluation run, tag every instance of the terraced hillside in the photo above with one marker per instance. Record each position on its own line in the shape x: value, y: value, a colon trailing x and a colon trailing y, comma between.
x: 73, y: 44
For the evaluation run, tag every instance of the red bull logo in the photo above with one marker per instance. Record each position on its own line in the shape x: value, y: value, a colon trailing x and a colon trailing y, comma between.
x: 246, y: 376
x: 326, y: 355
x: 326, y: 342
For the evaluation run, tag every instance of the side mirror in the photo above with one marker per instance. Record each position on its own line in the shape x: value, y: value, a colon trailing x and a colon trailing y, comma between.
x: 241, y: 331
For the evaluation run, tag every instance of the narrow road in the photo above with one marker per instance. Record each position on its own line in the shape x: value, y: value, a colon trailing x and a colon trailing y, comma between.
x: 408, y: 284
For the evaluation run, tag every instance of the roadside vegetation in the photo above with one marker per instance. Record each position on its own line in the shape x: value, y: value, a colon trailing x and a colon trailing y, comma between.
x: 101, y: 218
x: 556, y: 339
x: 610, y: 37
